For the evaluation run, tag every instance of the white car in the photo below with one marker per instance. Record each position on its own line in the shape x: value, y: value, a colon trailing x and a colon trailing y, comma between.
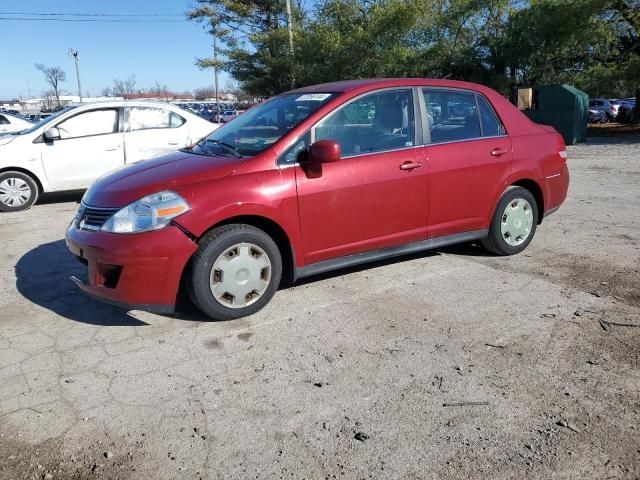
x: 72, y: 148
x: 10, y: 123
x: 228, y: 115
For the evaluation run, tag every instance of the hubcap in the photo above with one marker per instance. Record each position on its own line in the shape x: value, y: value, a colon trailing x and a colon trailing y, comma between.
x: 14, y: 192
x: 240, y: 275
x: 517, y: 222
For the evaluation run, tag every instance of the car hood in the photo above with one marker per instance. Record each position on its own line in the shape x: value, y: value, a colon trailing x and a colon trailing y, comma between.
x: 120, y: 187
x: 6, y: 138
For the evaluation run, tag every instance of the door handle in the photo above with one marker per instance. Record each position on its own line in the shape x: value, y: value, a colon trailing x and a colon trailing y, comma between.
x: 497, y: 152
x: 410, y: 165
x: 111, y: 149
x: 173, y: 143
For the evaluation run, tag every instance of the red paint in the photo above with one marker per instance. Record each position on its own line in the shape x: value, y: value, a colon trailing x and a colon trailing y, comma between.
x: 337, y: 208
x: 152, y: 263
x: 324, y: 151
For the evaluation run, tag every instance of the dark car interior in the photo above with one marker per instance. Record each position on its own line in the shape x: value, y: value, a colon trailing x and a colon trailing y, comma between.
x: 376, y: 122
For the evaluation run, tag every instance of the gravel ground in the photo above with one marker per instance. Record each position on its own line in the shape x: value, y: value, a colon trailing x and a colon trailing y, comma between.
x: 451, y: 364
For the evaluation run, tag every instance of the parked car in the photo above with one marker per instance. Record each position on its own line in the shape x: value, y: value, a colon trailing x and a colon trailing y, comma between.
x: 597, y: 116
x: 624, y: 110
x: 604, y: 105
x: 228, y: 115
x: 71, y: 148
x: 294, y: 187
x: 10, y: 123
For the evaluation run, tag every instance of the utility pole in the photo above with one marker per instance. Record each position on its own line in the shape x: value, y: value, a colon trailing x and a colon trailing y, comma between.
x: 74, y: 53
x: 290, y: 29
x: 215, y: 74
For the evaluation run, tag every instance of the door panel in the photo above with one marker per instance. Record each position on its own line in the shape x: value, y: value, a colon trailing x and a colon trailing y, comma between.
x: 153, y: 131
x: 376, y: 195
x: 469, y: 158
x: 77, y: 162
x: 464, y: 181
x: 362, y: 203
x: 89, y: 146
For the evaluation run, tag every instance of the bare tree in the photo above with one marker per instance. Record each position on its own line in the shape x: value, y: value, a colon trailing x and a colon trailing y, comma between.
x: 161, y: 91
x: 124, y: 87
x: 106, y: 92
x: 47, y: 104
x: 54, y: 76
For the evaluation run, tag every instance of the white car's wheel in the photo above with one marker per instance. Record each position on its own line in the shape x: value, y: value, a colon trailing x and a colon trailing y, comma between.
x: 18, y: 191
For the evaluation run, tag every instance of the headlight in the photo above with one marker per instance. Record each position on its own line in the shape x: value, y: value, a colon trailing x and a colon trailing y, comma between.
x: 149, y: 213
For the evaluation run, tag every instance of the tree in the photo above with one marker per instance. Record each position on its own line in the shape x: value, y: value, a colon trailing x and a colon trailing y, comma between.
x: 161, y: 91
x: 54, y: 76
x: 124, y: 87
x: 593, y: 44
x: 251, y: 41
x: 48, y: 104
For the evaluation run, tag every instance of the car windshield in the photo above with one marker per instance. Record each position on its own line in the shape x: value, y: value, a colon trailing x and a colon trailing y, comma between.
x: 44, y: 121
x: 259, y: 128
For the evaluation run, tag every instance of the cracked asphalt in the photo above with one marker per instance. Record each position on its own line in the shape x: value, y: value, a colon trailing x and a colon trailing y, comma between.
x: 449, y: 364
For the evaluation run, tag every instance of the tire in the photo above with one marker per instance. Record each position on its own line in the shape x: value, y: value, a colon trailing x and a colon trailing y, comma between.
x: 224, y: 290
x: 511, y: 233
x: 18, y: 191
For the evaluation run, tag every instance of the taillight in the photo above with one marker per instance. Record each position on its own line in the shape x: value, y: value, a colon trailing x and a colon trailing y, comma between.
x: 562, y: 149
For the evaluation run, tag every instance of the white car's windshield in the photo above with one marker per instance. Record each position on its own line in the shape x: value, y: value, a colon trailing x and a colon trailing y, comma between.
x: 259, y: 128
x: 45, y: 121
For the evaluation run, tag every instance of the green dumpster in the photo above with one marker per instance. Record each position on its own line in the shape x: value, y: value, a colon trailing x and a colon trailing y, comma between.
x: 563, y: 107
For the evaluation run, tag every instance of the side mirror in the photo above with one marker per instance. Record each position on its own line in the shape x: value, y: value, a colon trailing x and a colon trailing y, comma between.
x: 324, y: 151
x: 52, y: 134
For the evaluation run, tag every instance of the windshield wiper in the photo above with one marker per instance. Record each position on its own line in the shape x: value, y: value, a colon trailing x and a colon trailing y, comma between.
x: 227, y: 146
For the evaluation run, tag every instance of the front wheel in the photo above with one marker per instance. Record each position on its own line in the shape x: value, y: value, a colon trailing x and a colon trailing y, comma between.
x: 18, y: 191
x: 514, y: 222
x: 235, y: 272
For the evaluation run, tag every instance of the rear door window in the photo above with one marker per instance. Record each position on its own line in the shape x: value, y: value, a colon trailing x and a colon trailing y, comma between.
x: 148, y: 118
x: 452, y: 115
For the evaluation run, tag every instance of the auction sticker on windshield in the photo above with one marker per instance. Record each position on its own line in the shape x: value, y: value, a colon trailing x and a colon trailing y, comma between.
x: 318, y: 97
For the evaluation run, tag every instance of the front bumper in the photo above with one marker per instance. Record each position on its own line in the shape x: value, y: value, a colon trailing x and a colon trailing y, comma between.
x: 139, y: 271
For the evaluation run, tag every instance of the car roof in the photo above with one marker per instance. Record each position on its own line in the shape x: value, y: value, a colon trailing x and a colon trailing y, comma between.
x: 124, y: 103
x: 373, y: 83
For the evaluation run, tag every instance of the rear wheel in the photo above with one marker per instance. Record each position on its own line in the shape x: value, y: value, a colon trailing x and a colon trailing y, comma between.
x: 18, y: 191
x: 235, y: 272
x: 514, y: 222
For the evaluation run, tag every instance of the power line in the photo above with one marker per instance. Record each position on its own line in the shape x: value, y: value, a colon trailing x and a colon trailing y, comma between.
x: 99, y: 20
x: 95, y: 14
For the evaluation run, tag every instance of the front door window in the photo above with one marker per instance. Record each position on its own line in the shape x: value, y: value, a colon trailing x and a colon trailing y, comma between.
x: 373, y: 123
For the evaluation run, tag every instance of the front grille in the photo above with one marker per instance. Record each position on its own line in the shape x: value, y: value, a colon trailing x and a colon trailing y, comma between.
x: 91, y: 218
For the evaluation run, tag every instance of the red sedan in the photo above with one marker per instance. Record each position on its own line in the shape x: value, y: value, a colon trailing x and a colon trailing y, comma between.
x: 316, y: 179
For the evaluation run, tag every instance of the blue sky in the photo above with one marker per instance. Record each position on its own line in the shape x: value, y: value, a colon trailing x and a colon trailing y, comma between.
x: 162, y: 51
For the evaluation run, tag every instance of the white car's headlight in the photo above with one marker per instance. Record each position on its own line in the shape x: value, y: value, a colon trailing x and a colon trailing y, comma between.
x: 152, y: 212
